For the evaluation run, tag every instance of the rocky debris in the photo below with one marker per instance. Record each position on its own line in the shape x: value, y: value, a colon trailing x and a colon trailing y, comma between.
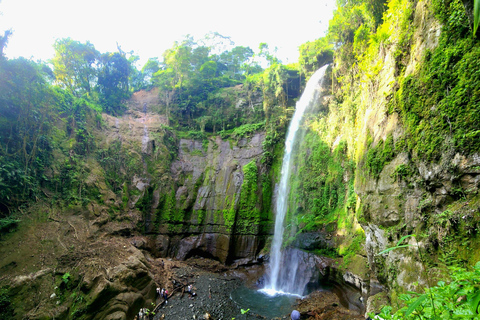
x: 323, y: 305
x: 211, y: 301
x: 213, y: 289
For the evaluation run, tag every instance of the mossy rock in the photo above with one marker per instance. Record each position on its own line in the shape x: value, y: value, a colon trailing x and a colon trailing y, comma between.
x: 376, y: 302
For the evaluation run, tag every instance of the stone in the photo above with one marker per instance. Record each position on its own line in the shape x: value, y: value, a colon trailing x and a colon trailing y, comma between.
x: 376, y: 302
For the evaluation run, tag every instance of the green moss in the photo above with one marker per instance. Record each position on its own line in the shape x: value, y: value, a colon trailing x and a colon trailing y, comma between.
x: 440, y: 105
x: 254, y: 206
x: 229, y: 214
x: 197, y: 153
x: 6, y: 306
x: 201, y: 216
x: 379, y: 155
x: 317, y: 187
x: 125, y: 195
x: 402, y: 172
x: 167, y: 207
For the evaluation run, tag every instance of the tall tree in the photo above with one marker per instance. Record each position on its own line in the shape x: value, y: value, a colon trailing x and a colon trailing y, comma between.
x: 4, y: 41
x: 74, y: 65
x: 235, y: 60
x: 149, y: 69
x: 113, y: 82
x: 25, y: 122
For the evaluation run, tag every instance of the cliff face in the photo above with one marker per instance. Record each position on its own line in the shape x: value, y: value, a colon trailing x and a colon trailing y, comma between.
x: 393, y: 151
x: 192, y: 197
x: 147, y: 194
x: 402, y: 114
x: 211, y: 217
x: 435, y: 199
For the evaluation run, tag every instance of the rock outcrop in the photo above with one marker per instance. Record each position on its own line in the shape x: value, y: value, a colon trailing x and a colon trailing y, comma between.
x: 208, y: 180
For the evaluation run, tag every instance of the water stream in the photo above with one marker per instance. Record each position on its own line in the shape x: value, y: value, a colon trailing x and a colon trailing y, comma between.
x: 145, y: 138
x: 282, y: 277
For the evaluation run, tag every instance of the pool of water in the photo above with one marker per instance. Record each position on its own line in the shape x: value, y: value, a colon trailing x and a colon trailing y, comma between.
x: 269, y: 306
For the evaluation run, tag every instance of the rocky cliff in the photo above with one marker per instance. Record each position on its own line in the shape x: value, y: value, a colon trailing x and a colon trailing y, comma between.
x: 395, y: 156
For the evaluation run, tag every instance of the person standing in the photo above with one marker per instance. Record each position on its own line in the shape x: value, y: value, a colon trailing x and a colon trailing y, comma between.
x: 165, y: 296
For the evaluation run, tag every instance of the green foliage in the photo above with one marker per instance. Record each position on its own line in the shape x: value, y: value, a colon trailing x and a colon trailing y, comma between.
x: 196, y: 84
x: 247, y: 130
x: 229, y: 213
x: 27, y: 114
x: 458, y: 297
x: 439, y: 105
x: 314, y: 55
x: 113, y: 83
x: 248, y: 206
x: 379, y: 155
x: 66, y: 278
x: 476, y: 16
x: 317, y: 188
x: 402, y: 172
x: 6, y: 309
x: 7, y: 224
x: 74, y: 65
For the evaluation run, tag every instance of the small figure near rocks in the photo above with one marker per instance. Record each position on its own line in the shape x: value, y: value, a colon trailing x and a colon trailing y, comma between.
x: 142, y: 314
x: 190, y: 291
x: 295, y: 315
x: 165, y: 295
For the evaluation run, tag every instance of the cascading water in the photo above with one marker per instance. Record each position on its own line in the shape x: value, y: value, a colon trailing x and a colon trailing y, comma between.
x: 145, y: 138
x: 284, y: 280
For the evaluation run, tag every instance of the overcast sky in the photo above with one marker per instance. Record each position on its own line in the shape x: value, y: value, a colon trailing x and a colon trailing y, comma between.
x: 150, y: 27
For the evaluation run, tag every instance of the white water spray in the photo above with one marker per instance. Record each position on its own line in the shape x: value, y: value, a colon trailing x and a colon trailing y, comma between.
x: 145, y: 139
x: 285, y: 282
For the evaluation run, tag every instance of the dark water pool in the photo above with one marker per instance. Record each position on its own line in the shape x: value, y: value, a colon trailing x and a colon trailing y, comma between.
x: 262, y: 303
x: 279, y: 305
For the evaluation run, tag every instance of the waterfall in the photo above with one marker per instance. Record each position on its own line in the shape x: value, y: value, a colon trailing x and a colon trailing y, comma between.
x: 285, y: 280
x: 145, y: 139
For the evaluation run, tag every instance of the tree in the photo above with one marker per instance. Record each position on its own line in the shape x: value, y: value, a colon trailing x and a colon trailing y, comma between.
x: 149, y: 69
x: 4, y: 41
x: 165, y: 80
x: 235, y: 61
x: 178, y: 59
x: 136, y: 77
x: 113, y: 82
x: 26, y: 117
x: 74, y: 65
x: 314, y: 55
x: 267, y: 54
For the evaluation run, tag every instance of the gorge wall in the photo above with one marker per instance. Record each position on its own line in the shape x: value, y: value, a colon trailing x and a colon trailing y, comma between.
x: 392, y: 150
x: 392, y: 154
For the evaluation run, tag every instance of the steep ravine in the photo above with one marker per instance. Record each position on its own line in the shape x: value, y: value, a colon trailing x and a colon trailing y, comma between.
x: 160, y: 196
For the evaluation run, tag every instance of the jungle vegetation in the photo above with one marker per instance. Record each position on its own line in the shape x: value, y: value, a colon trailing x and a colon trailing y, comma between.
x: 54, y: 106
x: 48, y: 108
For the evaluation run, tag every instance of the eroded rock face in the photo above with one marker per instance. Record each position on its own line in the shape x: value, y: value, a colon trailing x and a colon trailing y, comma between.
x: 121, y: 290
x: 208, y: 182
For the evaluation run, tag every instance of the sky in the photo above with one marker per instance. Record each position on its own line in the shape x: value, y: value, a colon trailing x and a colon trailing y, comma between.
x: 150, y: 27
